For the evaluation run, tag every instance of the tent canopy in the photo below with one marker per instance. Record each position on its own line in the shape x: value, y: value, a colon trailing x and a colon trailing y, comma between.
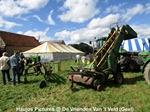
x: 49, y: 51
x: 136, y: 45
x: 49, y: 47
x: 43, y: 48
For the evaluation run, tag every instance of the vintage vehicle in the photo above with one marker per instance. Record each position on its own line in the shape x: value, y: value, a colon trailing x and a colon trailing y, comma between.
x: 35, y: 67
x: 146, y: 65
x: 105, y: 61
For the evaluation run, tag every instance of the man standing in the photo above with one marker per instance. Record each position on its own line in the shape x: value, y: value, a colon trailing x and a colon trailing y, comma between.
x: 83, y: 58
x: 4, y: 67
x: 14, y: 62
x: 22, y: 63
x: 77, y: 58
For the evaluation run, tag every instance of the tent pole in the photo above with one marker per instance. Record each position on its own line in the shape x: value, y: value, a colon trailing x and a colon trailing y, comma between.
x: 149, y: 44
x: 143, y: 45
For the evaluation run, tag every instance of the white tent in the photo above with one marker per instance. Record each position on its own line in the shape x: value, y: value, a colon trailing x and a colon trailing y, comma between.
x: 49, y: 51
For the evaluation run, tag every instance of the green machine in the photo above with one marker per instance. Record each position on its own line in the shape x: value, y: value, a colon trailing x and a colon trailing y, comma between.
x: 128, y: 63
x: 146, y: 65
x: 105, y: 60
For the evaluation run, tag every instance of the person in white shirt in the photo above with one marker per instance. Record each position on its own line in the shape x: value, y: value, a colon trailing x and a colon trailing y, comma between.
x: 77, y: 58
x: 4, y: 67
x: 83, y: 59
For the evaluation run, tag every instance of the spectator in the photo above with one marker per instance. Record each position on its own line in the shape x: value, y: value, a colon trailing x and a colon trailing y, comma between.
x: 77, y: 58
x: 22, y: 63
x: 83, y: 59
x: 14, y: 61
x: 4, y: 67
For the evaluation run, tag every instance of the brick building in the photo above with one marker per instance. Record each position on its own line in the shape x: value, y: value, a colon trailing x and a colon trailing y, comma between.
x: 11, y: 41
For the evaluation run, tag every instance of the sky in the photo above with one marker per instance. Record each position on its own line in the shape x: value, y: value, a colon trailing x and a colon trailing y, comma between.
x: 73, y: 21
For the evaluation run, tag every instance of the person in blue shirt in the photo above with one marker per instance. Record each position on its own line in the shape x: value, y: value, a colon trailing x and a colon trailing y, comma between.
x: 14, y: 62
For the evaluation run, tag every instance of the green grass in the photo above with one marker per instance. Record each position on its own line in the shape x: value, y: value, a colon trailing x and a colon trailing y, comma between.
x: 133, y: 94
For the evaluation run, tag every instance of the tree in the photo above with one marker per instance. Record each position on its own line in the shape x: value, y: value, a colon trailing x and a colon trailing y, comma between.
x: 83, y: 47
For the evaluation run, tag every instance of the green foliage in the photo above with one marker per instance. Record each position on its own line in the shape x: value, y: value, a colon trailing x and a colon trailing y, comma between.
x: 83, y: 47
x: 133, y: 94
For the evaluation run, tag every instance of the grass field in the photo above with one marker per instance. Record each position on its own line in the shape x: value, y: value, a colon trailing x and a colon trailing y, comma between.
x: 133, y: 95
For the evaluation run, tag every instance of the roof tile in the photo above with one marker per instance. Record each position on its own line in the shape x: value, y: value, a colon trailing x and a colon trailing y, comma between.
x: 18, y: 39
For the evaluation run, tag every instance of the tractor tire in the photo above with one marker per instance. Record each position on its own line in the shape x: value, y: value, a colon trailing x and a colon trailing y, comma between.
x: 147, y: 73
x: 133, y: 66
x: 118, y: 78
x: 124, y: 63
x: 42, y: 84
x: 99, y: 87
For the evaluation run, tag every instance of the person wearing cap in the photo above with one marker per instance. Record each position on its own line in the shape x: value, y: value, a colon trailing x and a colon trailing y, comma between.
x: 14, y: 62
x: 4, y: 67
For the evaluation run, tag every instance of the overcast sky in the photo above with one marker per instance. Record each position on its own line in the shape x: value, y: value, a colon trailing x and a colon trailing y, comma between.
x: 73, y: 21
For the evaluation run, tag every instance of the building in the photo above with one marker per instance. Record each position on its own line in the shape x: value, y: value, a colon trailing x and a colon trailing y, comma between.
x: 55, y: 41
x: 11, y: 41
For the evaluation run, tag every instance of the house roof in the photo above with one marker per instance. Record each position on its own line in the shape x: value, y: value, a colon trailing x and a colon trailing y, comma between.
x: 18, y: 39
x: 59, y: 42
x: 55, y: 41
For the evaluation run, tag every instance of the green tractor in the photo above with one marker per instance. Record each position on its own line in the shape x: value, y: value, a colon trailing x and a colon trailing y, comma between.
x: 105, y: 61
x: 128, y: 63
x: 146, y: 65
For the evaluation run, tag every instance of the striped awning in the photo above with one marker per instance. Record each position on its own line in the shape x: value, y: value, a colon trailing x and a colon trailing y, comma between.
x: 136, y: 45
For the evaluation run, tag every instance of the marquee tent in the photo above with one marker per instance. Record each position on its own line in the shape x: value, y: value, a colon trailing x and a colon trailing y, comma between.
x: 136, y: 45
x: 49, y: 51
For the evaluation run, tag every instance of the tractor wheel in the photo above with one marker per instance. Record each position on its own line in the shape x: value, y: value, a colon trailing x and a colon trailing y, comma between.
x: 99, y: 87
x: 43, y: 84
x: 147, y: 73
x: 118, y: 78
x: 124, y: 63
x: 133, y: 66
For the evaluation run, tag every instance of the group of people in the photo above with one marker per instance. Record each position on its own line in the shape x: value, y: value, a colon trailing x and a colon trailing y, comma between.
x: 85, y: 59
x: 15, y: 63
